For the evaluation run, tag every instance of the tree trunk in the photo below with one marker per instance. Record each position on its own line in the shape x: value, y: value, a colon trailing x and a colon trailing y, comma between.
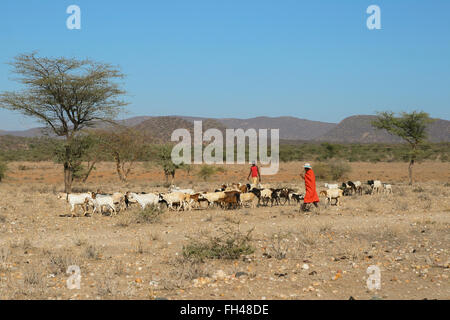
x: 68, y: 178
x: 410, y: 171
x: 119, y: 170
x: 90, y: 168
x: 166, y: 175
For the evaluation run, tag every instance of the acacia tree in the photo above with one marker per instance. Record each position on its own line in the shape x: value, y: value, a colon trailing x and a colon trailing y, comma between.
x: 66, y: 95
x: 125, y: 145
x: 78, y: 150
x: 162, y: 157
x: 411, y: 127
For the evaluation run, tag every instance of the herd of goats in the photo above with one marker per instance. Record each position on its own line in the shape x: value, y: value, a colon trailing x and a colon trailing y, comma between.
x: 229, y: 196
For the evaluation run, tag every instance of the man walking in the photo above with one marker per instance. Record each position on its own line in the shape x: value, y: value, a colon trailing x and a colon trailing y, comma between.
x: 254, y: 172
x: 311, y: 195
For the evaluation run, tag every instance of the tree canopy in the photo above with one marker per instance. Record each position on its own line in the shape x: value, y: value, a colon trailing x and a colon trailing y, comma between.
x: 411, y: 127
x: 66, y: 95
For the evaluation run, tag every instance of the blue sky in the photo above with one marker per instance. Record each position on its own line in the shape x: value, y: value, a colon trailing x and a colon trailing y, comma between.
x: 310, y: 59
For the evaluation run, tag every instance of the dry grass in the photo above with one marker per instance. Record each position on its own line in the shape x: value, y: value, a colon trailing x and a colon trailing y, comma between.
x: 137, y: 255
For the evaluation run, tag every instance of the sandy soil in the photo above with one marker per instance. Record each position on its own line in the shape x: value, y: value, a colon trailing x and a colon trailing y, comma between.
x: 323, y: 254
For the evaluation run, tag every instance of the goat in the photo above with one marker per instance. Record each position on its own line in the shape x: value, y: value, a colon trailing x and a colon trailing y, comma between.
x: 212, y: 197
x: 375, y: 185
x: 174, y: 198
x: 119, y: 201
x: 101, y: 200
x: 177, y: 189
x: 143, y: 199
x: 387, y: 188
x: 264, y: 195
x: 76, y: 200
x: 250, y: 198
x: 332, y: 194
x: 297, y: 197
x: 231, y: 199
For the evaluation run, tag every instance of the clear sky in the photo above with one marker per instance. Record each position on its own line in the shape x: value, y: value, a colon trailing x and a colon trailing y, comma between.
x: 243, y: 58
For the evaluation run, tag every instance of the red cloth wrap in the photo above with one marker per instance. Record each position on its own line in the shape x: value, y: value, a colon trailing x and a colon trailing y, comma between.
x: 310, y: 185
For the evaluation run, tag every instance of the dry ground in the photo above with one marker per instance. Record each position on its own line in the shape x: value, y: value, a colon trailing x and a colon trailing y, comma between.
x: 320, y: 255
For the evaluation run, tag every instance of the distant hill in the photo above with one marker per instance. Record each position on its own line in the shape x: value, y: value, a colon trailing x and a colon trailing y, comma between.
x: 358, y: 129
x: 159, y: 129
x: 354, y: 129
x: 34, y: 132
x: 291, y: 128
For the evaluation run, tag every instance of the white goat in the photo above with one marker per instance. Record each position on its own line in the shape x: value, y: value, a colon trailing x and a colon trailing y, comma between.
x: 76, y: 200
x: 99, y: 201
x: 266, y: 196
x: 143, y: 199
x: 387, y: 188
x: 174, y: 198
x: 177, y: 189
x: 375, y: 185
x: 212, y: 197
x: 249, y: 198
x: 333, y: 194
x: 331, y: 186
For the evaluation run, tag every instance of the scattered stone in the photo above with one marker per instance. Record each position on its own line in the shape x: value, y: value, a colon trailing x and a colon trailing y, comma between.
x: 219, y: 275
x: 281, y: 274
x: 240, y: 274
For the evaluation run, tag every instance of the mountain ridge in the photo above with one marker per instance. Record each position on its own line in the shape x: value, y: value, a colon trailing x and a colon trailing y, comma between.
x: 352, y: 129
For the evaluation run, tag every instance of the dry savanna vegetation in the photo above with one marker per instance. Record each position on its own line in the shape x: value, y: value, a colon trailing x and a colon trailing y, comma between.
x: 262, y: 253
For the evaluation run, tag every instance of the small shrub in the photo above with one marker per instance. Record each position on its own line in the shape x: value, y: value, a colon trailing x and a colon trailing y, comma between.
x: 151, y: 214
x: 331, y: 170
x: 119, y: 268
x: 58, y: 262
x: 206, y: 172
x: 32, y: 277
x: 279, y: 246
x: 106, y: 287
x: 26, y: 244
x: 189, y: 268
x: 4, y: 254
x: 92, y: 252
x: 140, y: 247
x: 230, y: 245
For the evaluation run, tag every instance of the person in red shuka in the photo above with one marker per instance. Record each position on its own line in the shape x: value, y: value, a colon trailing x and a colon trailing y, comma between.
x: 311, y: 195
x: 254, y: 172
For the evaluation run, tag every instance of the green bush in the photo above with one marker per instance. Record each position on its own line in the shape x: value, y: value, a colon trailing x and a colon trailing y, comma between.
x: 331, y: 170
x: 230, y: 245
x: 151, y: 214
x: 206, y: 172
